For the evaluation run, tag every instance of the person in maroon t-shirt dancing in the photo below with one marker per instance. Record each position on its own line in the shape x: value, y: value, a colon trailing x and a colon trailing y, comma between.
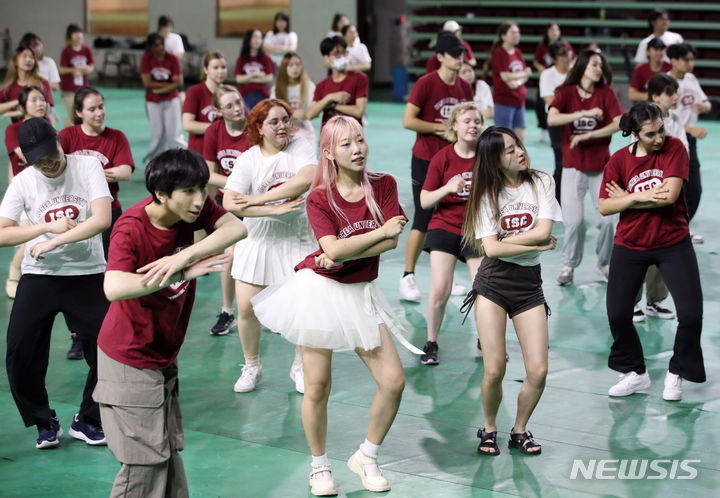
x: 428, y: 108
x: 343, y: 92
x: 642, y: 73
x: 254, y: 69
x: 645, y: 182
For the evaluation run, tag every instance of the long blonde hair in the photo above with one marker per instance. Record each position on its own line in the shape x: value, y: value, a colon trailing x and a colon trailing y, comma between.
x: 283, y: 81
x: 12, y: 73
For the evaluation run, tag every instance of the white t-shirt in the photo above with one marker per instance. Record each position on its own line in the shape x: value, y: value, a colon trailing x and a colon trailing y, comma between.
x: 174, y: 44
x: 550, y: 80
x: 304, y: 128
x: 668, y: 38
x: 358, y: 54
x: 520, y: 210
x: 689, y: 93
x: 48, y: 70
x: 285, y: 40
x: 45, y: 199
x: 483, y: 95
x: 675, y: 128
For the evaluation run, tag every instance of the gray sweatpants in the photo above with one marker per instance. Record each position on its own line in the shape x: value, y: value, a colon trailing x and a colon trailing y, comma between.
x: 143, y: 426
x: 165, y: 127
x: 574, y: 185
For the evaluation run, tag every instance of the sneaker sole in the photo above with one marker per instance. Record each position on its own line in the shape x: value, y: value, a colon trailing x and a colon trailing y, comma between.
x: 640, y: 390
x: 418, y: 300
x: 235, y: 388
x: 660, y: 315
x: 672, y: 398
x: 45, y: 445
x: 82, y: 437
x: 355, y: 466
x: 430, y: 362
x: 224, y: 331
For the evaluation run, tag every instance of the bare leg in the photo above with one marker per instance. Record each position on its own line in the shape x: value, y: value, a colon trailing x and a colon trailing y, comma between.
x: 491, y: 320
x: 415, y: 242
x: 249, y: 327
x: 318, y: 381
x: 442, y: 266
x: 68, y: 100
x: 227, y: 284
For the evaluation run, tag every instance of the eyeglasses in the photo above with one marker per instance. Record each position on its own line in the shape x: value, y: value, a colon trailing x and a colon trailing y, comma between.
x: 277, y: 123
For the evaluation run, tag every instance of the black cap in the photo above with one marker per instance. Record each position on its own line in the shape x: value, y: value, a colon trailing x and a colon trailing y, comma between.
x: 656, y: 43
x: 449, y: 44
x: 37, y: 138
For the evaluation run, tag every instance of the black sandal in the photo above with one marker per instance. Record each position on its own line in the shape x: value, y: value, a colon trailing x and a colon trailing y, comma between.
x: 488, y: 440
x: 524, y: 442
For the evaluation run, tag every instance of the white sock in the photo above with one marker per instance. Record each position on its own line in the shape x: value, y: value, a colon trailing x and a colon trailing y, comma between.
x: 297, y: 361
x: 319, y: 461
x: 371, y: 450
x: 252, y: 361
x: 229, y: 311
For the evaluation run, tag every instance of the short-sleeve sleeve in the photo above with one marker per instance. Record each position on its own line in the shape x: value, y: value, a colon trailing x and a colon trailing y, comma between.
x: 268, y: 64
x: 483, y: 95
x: 191, y: 103
x: 177, y: 68
x: 321, y: 218
x: 548, y: 206
x: 418, y: 96
x: 13, y: 203
x: 11, y: 140
x: 499, y: 62
x: 390, y: 204
x: 292, y: 38
x: 641, y: 54
x: 636, y: 80
x: 145, y: 64
x: 612, y: 104
x: 65, y: 57
x: 210, y: 214
x: 64, y: 136
x: 123, y: 252
x: 97, y: 185
x: 53, y: 70
x: 303, y: 154
x: 434, y: 177
x: 362, y: 85
x: 89, y: 55
x: 676, y: 161
x: 611, y: 173
x: 48, y: 92
x: 210, y: 145
x: 560, y: 101
x: 310, y: 95
x: 240, y: 180
x: 546, y: 87
x: 538, y: 55
x: 123, y: 154
x: 485, y: 224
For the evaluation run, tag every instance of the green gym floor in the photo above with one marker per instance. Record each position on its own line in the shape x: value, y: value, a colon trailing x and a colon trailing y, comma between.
x: 253, y: 444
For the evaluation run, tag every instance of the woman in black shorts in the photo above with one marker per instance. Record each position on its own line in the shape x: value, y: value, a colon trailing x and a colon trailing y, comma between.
x: 510, y: 213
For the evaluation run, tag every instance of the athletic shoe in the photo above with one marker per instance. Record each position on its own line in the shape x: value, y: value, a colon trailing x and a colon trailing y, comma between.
x: 431, y: 354
x: 696, y: 238
x: 298, y: 377
x: 91, y: 434
x: 658, y: 311
x: 408, y: 289
x: 322, y: 488
x: 75, y: 352
x: 458, y: 290
x: 249, y: 379
x: 638, y: 315
x: 479, y: 353
x: 673, y: 387
x: 603, y: 271
x: 566, y: 276
x: 357, y: 463
x: 543, y: 135
x: 48, y: 436
x: 630, y: 383
x: 225, y: 321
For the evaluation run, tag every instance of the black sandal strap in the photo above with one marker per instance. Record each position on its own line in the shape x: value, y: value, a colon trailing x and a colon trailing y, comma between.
x: 525, y: 442
x: 488, y: 440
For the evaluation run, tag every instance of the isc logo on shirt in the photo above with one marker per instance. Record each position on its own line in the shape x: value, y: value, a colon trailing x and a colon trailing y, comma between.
x: 64, y: 212
x: 516, y: 221
x: 160, y: 73
x: 585, y: 124
x: 648, y: 184
x: 516, y: 67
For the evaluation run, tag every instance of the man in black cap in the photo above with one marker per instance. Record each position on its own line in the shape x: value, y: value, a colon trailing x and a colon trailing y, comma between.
x: 426, y: 112
x: 67, y: 202
x: 642, y: 73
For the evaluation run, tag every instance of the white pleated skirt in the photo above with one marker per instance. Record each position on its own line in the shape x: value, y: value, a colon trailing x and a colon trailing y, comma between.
x: 271, y: 250
x: 318, y: 312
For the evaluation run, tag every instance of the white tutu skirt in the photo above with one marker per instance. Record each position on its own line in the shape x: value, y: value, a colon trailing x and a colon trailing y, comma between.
x: 271, y: 250
x: 319, y: 312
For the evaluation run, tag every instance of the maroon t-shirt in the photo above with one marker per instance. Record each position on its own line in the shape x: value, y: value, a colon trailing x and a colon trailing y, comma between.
x: 591, y: 155
x: 160, y: 70
x: 355, y: 83
x: 75, y: 58
x: 12, y: 92
x: 11, y: 143
x: 643, y: 73
x: 645, y: 229
x: 147, y: 331
x: 254, y: 65
x: 503, y: 62
x: 222, y: 148
x: 359, y: 220
x: 111, y: 148
x: 199, y: 103
x: 542, y: 53
x: 449, y: 214
x: 436, y: 99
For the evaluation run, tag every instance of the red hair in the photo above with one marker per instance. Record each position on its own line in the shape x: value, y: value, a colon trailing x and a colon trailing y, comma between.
x: 259, y: 114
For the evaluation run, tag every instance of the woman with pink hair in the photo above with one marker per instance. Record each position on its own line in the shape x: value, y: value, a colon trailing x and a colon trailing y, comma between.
x: 333, y: 304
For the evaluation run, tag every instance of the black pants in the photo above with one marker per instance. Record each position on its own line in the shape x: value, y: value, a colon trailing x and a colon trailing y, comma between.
x: 678, y: 266
x: 555, y: 133
x: 540, y: 112
x: 106, y: 233
x: 693, y: 188
x: 418, y: 172
x: 39, y: 299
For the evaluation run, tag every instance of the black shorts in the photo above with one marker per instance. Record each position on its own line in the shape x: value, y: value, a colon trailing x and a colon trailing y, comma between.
x: 513, y: 287
x: 418, y: 172
x: 442, y: 240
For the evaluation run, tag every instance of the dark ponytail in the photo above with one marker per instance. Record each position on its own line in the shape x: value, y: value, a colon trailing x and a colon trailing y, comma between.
x: 632, y: 121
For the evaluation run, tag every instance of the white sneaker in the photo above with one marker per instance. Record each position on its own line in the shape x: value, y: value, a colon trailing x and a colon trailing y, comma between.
x: 696, y: 238
x: 630, y: 383
x: 543, y: 135
x: 249, y: 379
x: 458, y: 290
x: 659, y: 311
x: 673, y: 387
x: 566, y: 276
x: 638, y: 315
x: 357, y: 462
x: 298, y: 377
x: 322, y: 487
x: 408, y: 289
x: 603, y: 271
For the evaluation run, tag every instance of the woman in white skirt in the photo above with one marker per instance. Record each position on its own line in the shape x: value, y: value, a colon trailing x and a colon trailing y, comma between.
x: 333, y: 304
x: 276, y: 170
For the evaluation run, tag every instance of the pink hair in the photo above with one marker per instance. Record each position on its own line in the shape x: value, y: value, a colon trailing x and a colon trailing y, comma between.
x: 327, y: 172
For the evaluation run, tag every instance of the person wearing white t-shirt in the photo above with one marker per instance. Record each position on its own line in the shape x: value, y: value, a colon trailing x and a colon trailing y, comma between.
x: 173, y: 41
x: 67, y: 201
x: 550, y: 79
x: 358, y: 56
x: 265, y: 188
x: 280, y: 40
x: 509, y: 216
x: 295, y: 87
x: 659, y: 23
x: 692, y: 101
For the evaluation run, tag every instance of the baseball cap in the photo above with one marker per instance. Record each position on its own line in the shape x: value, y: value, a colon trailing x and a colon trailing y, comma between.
x: 656, y: 43
x: 37, y: 138
x: 451, y: 26
x: 449, y: 44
